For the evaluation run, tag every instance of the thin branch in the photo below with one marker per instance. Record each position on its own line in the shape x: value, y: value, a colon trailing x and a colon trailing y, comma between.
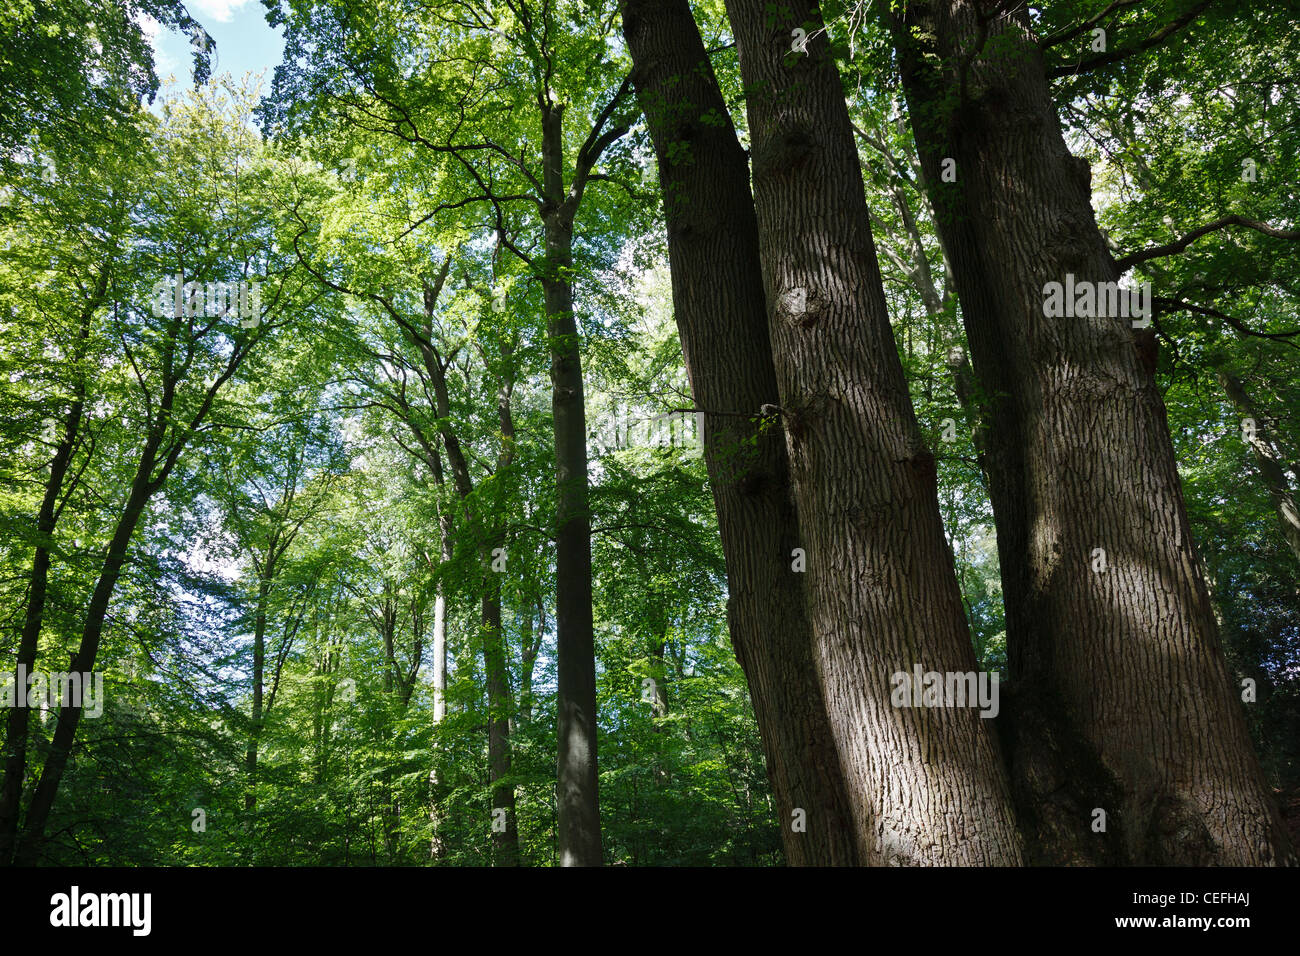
x: 1181, y: 305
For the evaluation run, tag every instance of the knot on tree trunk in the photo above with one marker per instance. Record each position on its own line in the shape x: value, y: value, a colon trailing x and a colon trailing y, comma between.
x: 783, y: 154
x: 801, y: 307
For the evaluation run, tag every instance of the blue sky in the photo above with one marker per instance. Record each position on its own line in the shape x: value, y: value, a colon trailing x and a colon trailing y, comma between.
x: 245, y: 44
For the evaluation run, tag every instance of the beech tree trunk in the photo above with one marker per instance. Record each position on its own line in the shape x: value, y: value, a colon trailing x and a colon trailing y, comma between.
x: 529, y: 647
x: 505, y: 841
x: 437, y: 846
x: 721, y: 316
x: 83, y: 661
x: 1268, y: 459
x: 15, y: 769
x: 259, y: 668
x: 1120, y: 699
x: 577, y: 795
x: 927, y: 783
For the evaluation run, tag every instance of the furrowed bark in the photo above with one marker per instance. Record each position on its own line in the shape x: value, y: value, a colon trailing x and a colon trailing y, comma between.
x: 1120, y: 698
x: 721, y: 317
x: 927, y: 783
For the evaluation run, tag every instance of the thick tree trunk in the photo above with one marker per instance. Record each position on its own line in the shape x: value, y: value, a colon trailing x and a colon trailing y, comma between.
x: 1268, y: 459
x: 1120, y: 700
x: 577, y: 792
x: 722, y: 319
x: 927, y: 783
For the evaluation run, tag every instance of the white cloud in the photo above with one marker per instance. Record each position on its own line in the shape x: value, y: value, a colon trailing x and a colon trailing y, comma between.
x: 223, y: 11
x: 152, y: 29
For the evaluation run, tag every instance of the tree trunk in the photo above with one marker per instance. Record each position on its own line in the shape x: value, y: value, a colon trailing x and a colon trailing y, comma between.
x: 1268, y: 459
x: 437, y: 846
x: 529, y: 647
x: 38, y: 582
x: 505, y: 832
x: 16, y: 739
x: 440, y: 627
x: 65, y: 728
x: 505, y: 842
x: 259, y: 667
x: 1120, y: 699
x: 577, y: 787
x: 505, y: 839
x: 144, y: 485
x: 722, y: 320
x: 927, y: 783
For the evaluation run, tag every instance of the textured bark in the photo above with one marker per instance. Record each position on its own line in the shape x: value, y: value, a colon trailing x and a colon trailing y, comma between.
x: 721, y: 316
x: 927, y: 783
x: 1268, y: 460
x: 1120, y: 698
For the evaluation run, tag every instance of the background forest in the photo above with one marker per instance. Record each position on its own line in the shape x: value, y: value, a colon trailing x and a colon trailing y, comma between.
x: 321, y: 537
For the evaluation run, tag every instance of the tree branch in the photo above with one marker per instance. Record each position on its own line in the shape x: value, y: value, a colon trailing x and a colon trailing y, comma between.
x: 1179, y: 245
x: 1181, y: 305
x: 1123, y: 53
